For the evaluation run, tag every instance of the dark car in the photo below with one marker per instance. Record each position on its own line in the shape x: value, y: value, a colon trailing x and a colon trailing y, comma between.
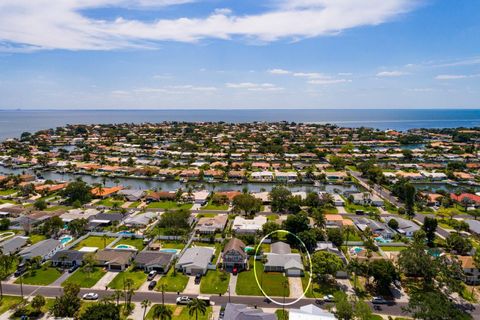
x: 198, y: 278
x: 152, y: 285
x: 73, y: 268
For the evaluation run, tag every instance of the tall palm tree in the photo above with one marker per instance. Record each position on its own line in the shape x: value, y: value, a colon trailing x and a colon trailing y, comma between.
x: 118, y: 294
x: 161, y: 312
x: 195, y: 306
x: 145, y: 304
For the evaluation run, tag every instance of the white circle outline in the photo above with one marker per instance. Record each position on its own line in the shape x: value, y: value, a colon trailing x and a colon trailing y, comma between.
x: 255, y: 271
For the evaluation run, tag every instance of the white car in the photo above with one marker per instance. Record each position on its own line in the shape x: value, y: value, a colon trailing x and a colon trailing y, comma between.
x: 183, y: 300
x: 328, y: 298
x: 379, y: 300
x: 90, y: 296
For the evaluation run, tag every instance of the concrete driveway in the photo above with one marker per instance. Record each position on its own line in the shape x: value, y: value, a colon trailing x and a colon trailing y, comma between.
x: 105, y: 280
x: 191, y: 287
x: 296, y: 287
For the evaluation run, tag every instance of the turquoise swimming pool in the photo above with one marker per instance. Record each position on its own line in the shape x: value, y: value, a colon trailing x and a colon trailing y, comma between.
x: 65, y: 239
x: 169, y: 250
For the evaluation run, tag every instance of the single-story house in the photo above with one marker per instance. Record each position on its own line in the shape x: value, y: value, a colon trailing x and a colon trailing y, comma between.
x: 195, y: 260
x: 44, y: 249
x: 262, y: 176
x: 160, y: 196
x: 200, y: 197
x: 67, y: 258
x: 281, y: 259
x: 378, y: 228
x: 13, y: 245
x: 310, y: 312
x: 114, y: 260
x: 211, y: 225
x: 248, y: 226
x: 235, y: 311
x: 141, y: 220
x: 132, y: 195
x: 105, y: 192
x: 338, y: 200
x: 405, y: 227
x: 234, y: 255
x: 154, y: 260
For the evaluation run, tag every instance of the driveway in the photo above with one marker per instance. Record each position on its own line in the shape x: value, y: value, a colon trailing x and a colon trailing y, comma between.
x: 232, y: 284
x: 341, y: 210
x: 296, y: 287
x: 191, y: 287
x: 105, y: 280
x: 62, y: 278
x: 144, y: 286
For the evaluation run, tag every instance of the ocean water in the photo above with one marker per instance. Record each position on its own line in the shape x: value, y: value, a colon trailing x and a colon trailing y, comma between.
x: 14, y: 122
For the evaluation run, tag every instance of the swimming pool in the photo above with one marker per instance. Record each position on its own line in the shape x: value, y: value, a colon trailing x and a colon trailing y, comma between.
x: 382, y: 240
x: 125, y: 246
x: 125, y: 233
x: 169, y: 250
x: 65, y: 239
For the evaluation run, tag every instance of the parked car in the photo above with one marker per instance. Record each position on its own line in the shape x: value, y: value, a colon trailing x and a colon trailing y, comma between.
x: 90, y: 296
x: 152, y: 285
x: 329, y: 298
x: 20, y: 270
x: 198, y: 278
x: 235, y: 271
x: 151, y: 275
x: 379, y: 300
x: 73, y: 268
x: 183, y: 300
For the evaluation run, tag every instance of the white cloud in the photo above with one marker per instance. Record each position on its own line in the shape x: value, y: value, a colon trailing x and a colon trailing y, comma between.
x: 391, y: 74
x: 250, y: 86
x: 451, y: 76
x: 279, y: 71
x: 328, y: 81
x: 309, y: 75
x: 46, y: 24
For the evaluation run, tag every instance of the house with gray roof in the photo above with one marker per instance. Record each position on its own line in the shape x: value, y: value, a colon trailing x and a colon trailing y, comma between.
x: 132, y: 195
x: 234, y: 311
x: 195, y: 260
x: 154, y: 260
x: 405, y: 227
x: 281, y: 259
x: 141, y: 220
x: 13, y: 245
x: 473, y: 225
x: 44, y: 249
x: 378, y: 228
x: 67, y: 258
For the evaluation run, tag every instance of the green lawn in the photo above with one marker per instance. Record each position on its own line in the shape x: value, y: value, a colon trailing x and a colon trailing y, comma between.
x: 137, y: 243
x: 173, y: 283
x: 317, y: 290
x: 55, y: 208
x: 212, y: 283
x: 273, y: 217
x: 271, y: 282
x: 7, y: 192
x: 169, y: 205
x: 392, y: 248
x: 84, y: 279
x: 109, y: 202
x: 134, y: 204
x: 94, y: 241
x: 138, y: 277
x: 211, y: 206
x: 34, y: 238
x: 181, y: 313
x: 282, y: 314
x: 8, y: 302
x: 172, y: 245
x: 351, y: 208
x: 43, y: 276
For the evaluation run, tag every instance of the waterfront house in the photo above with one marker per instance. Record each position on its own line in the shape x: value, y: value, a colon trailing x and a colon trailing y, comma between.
x: 105, y: 192
x: 141, y: 220
x: 195, y: 260
x: 200, y: 197
x: 160, y: 196
x: 132, y: 195
x: 234, y: 255
x: 376, y: 227
x: 262, y: 176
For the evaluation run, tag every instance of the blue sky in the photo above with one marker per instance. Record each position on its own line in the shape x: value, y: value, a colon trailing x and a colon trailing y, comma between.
x: 239, y: 54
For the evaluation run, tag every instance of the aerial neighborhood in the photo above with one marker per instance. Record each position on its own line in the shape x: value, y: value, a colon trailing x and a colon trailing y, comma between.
x: 371, y: 222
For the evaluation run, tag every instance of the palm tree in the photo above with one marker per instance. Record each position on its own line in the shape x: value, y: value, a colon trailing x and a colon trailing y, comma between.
x: 195, y: 306
x: 163, y: 286
x: 162, y: 312
x: 118, y: 294
x: 145, y: 304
